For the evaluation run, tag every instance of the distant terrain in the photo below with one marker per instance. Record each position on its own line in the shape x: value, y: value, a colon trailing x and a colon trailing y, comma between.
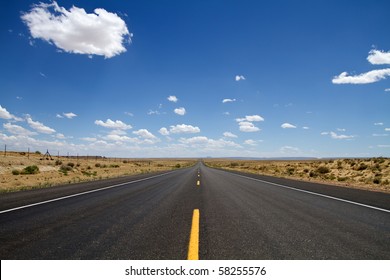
x: 20, y: 171
x: 371, y: 173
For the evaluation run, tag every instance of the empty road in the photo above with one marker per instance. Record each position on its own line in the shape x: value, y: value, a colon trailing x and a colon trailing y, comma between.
x: 197, y: 212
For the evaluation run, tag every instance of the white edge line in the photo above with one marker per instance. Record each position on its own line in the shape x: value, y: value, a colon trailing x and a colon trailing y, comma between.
x: 82, y: 193
x: 313, y: 193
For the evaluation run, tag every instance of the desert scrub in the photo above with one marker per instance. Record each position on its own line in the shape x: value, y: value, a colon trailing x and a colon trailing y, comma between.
x: 323, y: 170
x: 15, y: 172
x: 65, y: 168
x: 32, y: 169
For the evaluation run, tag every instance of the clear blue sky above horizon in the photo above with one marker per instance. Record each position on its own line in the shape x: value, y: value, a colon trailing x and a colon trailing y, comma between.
x: 196, y: 78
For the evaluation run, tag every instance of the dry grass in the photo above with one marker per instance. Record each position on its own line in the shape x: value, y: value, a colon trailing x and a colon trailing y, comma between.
x: 372, y: 174
x: 64, y: 170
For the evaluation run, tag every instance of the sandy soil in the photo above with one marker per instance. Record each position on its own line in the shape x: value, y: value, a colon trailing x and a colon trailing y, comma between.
x: 64, y: 170
x: 372, y: 174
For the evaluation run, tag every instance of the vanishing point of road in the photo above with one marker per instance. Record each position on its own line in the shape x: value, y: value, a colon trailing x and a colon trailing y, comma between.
x: 195, y: 213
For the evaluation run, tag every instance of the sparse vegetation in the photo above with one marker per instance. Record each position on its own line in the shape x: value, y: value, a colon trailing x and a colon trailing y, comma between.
x: 32, y: 169
x: 64, y: 170
x: 362, y: 173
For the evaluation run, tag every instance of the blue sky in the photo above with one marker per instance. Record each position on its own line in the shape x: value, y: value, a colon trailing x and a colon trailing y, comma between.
x: 196, y: 78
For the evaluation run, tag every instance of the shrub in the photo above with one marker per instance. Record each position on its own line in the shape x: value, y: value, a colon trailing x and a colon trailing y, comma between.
x: 38, y: 153
x: 58, y: 162
x: 376, y: 181
x: 71, y: 164
x: 15, y: 172
x: 362, y: 167
x: 233, y: 164
x: 65, y: 168
x: 178, y: 165
x: 323, y: 169
x: 97, y: 165
x: 32, y: 169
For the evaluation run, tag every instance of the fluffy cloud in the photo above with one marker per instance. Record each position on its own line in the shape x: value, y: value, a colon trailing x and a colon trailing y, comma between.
x: 18, y: 130
x: 183, y: 128
x: 144, y: 133
x: 4, y: 114
x: 365, y: 78
x: 334, y: 135
x: 226, y: 100
x: 377, y: 57
x: 203, y: 141
x: 70, y: 115
x: 239, y: 78
x: 164, y: 131
x: 172, y: 98
x: 379, y: 123
x: 250, y: 142
x: 113, y: 124
x: 180, y: 111
x: 229, y: 134
x: 40, y: 127
x: 288, y: 125
x: 341, y: 136
x: 248, y: 127
x: 253, y: 118
x: 75, y: 31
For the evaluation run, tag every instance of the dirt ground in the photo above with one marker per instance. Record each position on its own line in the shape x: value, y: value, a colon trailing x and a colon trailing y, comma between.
x: 372, y: 174
x: 15, y: 166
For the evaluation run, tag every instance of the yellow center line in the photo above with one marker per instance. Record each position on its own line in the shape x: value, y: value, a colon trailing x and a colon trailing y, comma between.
x: 198, y: 183
x: 193, y: 247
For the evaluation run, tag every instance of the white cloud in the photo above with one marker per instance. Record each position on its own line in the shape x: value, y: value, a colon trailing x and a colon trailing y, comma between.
x: 253, y: 118
x: 239, y: 78
x: 380, y: 135
x: 4, y: 114
x: 387, y: 129
x: 129, y: 114
x: 69, y: 115
x: 341, y: 129
x: 18, y: 130
x: 75, y: 31
x: 59, y: 116
x: 229, y: 134
x: 60, y: 136
x: 379, y: 57
x: 387, y: 89
x: 89, y: 139
x: 226, y: 100
x: 113, y: 124
x: 325, y: 133
x: 364, y: 78
x: 180, y: 111
x: 379, y: 123
x: 341, y: 137
x: 247, y: 127
x: 288, y: 125
x: 206, y: 143
x: 250, y: 142
x: 164, y: 131
x: 305, y: 127
x: 172, y: 98
x: 40, y: 127
x: 183, y: 128
x: 144, y: 133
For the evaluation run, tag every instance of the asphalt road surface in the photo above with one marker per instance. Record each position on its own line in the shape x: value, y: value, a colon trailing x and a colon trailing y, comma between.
x: 239, y: 216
